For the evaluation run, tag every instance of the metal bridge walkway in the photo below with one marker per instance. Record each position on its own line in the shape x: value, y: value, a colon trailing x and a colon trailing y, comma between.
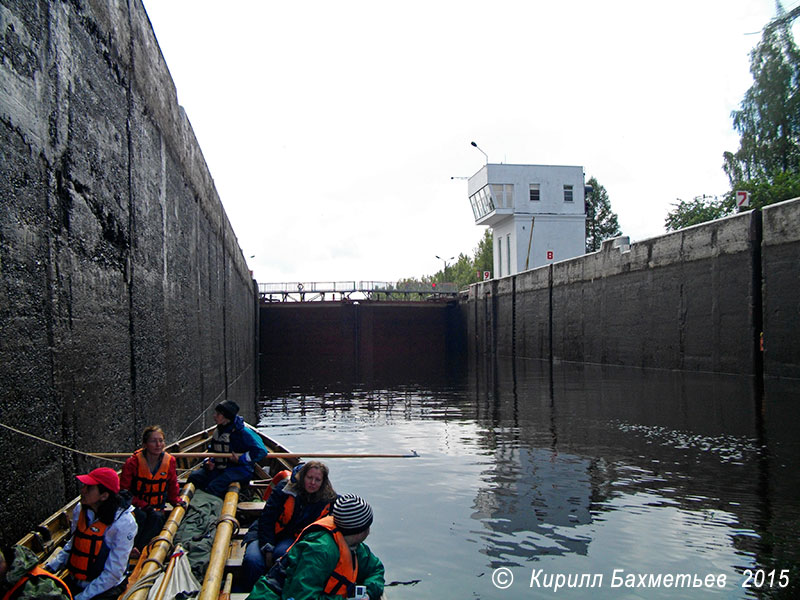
x: 304, y: 291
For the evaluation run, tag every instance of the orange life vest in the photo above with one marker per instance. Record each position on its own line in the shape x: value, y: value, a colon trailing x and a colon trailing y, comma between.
x: 276, y: 479
x: 286, y: 515
x: 87, y: 540
x: 147, y: 486
x: 36, y: 571
x: 343, y: 579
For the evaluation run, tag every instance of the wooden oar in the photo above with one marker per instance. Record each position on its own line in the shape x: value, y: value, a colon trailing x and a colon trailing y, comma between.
x: 270, y: 455
x: 225, y: 594
x: 212, y: 582
x: 160, y: 547
x: 165, y: 581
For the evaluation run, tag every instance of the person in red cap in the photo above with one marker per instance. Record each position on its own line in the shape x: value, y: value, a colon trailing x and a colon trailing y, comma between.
x: 103, y: 529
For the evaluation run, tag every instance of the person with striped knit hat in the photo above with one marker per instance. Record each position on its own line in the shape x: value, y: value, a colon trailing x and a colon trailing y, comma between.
x: 329, y: 560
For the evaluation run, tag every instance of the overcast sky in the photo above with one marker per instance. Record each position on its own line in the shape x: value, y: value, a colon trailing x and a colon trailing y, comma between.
x: 333, y: 129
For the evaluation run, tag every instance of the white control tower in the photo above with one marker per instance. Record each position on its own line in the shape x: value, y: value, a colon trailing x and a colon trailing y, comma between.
x: 536, y: 212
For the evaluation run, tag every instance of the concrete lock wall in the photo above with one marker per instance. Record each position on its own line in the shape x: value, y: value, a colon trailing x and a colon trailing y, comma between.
x: 124, y: 297
x: 696, y: 299
x: 780, y: 259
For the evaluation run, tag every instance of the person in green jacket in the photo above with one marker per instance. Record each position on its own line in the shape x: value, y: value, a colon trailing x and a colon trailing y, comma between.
x: 329, y: 560
x: 21, y: 578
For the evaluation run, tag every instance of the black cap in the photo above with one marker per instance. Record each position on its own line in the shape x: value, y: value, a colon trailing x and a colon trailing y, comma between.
x: 229, y: 409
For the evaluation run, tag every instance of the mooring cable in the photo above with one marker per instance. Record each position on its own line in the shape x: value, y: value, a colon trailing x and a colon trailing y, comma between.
x: 62, y: 446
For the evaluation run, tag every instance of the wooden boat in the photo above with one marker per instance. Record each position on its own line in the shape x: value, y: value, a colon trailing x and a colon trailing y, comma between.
x: 226, y: 554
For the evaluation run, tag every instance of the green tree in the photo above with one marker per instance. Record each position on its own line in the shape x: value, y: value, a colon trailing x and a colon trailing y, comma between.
x: 464, y: 271
x: 484, y: 253
x: 767, y: 163
x: 461, y: 272
x: 768, y: 121
x: 699, y: 210
x: 601, y: 221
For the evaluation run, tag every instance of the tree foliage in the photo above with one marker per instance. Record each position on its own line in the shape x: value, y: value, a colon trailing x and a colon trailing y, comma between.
x: 484, y: 253
x: 465, y: 269
x: 767, y: 163
x: 768, y: 121
x: 699, y: 210
x: 601, y: 221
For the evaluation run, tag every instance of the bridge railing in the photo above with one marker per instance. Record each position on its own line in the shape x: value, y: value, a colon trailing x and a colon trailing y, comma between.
x: 294, y: 287
x: 316, y: 290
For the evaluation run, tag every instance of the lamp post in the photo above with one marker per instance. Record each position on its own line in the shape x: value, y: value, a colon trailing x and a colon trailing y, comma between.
x: 444, y: 260
x: 481, y: 151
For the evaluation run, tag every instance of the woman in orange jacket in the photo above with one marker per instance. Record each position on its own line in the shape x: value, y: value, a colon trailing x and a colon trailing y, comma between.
x: 151, y: 477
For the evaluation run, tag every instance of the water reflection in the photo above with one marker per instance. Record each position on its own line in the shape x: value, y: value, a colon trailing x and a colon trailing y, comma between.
x: 563, y: 468
x: 540, y: 493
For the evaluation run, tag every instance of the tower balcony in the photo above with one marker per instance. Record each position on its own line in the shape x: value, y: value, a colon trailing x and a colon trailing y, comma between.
x: 492, y: 203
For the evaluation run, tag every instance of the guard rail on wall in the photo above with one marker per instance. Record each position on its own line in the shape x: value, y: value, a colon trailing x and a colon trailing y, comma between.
x: 304, y: 291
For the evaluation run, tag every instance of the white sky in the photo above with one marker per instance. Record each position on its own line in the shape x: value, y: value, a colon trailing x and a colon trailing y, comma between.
x: 332, y: 128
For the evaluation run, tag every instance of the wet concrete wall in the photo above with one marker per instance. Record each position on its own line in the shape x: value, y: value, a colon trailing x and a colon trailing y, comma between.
x: 780, y: 256
x: 696, y: 299
x: 124, y: 297
x: 361, y: 342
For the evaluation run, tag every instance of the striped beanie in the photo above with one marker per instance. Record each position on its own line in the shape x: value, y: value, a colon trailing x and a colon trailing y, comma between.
x: 351, y: 514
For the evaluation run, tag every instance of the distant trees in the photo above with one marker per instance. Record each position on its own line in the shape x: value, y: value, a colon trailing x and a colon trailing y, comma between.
x: 601, y: 221
x: 767, y: 163
x: 464, y: 270
x: 460, y: 272
x: 699, y: 210
x: 484, y: 254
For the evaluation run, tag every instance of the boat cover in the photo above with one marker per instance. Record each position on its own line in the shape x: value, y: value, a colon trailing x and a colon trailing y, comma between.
x: 197, y: 529
x: 182, y: 583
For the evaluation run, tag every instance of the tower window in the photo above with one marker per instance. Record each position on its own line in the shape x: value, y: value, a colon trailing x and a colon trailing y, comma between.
x: 503, y: 194
x: 567, y: 193
x: 534, y: 191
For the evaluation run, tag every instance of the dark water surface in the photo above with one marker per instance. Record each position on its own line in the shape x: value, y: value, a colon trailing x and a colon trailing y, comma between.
x: 572, y: 475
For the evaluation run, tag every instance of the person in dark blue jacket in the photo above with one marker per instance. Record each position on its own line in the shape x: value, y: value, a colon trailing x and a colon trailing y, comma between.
x: 233, y: 437
x: 294, y: 504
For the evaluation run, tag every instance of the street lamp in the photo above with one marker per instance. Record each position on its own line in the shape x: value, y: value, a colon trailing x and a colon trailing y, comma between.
x: 481, y: 151
x: 444, y: 272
